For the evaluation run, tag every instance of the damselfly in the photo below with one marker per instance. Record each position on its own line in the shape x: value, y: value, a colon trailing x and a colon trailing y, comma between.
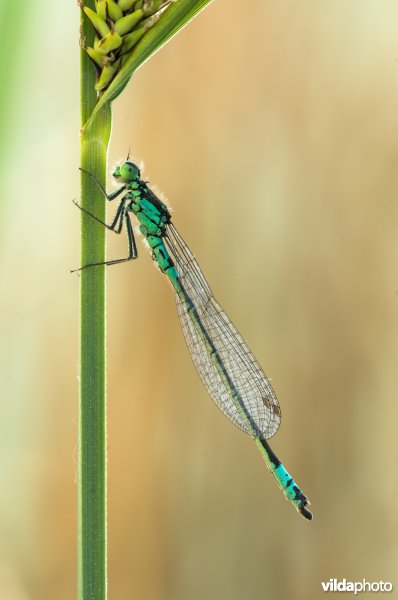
x: 228, y: 369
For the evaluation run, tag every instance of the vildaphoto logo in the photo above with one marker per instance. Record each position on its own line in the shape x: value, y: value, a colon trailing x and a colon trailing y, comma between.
x: 356, y: 587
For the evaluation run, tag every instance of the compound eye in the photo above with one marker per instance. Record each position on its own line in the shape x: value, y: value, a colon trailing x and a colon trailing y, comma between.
x: 129, y: 171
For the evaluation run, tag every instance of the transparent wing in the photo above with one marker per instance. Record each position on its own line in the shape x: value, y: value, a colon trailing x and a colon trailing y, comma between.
x: 252, y: 388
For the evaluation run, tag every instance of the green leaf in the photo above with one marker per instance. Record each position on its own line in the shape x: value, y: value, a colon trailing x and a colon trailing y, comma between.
x: 173, y: 19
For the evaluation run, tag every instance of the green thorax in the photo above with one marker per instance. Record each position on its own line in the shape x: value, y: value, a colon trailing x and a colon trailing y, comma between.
x: 151, y: 213
x: 153, y: 216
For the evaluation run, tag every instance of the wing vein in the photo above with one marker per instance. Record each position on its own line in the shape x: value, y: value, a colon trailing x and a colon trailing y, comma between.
x: 246, y: 385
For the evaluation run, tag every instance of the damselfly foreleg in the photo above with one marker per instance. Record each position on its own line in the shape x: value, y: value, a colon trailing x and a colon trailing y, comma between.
x: 109, y: 197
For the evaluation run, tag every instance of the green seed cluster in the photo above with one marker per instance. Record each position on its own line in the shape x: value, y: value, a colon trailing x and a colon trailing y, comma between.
x: 118, y: 25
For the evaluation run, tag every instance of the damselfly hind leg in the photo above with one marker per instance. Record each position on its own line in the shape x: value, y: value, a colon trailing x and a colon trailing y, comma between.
x: 121, y: 216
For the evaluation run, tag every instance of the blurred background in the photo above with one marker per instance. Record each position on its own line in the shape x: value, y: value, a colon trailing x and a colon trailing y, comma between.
x: 272, y: 128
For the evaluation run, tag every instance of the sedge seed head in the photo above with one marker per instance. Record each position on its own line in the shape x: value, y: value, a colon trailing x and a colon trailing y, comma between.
x: 118, y: 26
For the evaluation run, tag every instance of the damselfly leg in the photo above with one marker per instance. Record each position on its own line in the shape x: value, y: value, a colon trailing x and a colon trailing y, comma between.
x: 121, y: 217
x: 109, y: 197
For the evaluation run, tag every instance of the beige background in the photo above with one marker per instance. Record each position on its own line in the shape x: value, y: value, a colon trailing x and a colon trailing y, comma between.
x: 272, y: 128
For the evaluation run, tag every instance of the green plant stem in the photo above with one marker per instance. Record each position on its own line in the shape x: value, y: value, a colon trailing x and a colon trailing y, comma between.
x: 92, y: 581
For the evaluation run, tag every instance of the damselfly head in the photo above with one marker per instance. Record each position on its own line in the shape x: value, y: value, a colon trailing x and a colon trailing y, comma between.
x: 127, y: 171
